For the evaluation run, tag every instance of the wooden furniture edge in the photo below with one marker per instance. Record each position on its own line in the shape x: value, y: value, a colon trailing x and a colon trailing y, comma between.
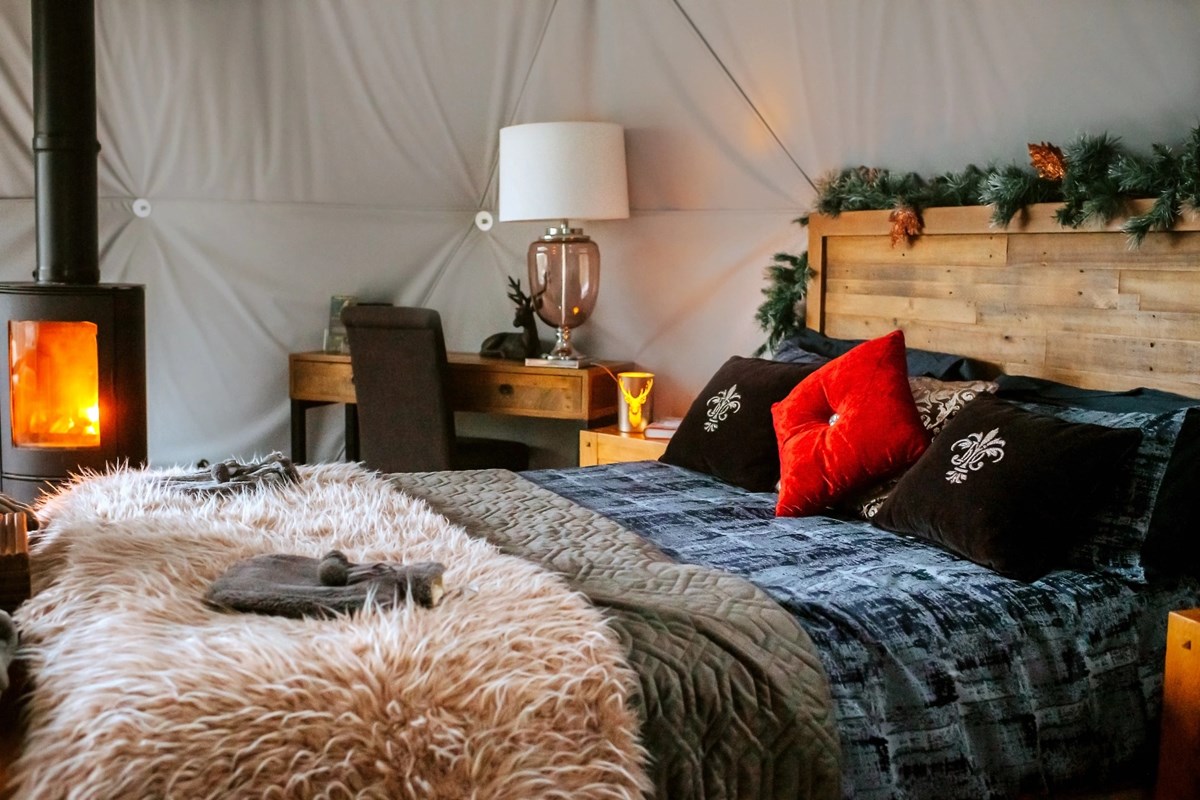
x: 632, y: 443
x: 1178, y: 774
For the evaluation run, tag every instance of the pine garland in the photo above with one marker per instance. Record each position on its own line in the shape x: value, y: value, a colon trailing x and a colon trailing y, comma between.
x: 1089, y: 190
x: 1099, y: 178
x: 1010, y: 189
x: 1173, y: 180
x: 787, y: 284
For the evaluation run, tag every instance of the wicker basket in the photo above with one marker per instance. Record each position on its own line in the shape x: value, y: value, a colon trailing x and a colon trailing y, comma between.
x: 14, y: 560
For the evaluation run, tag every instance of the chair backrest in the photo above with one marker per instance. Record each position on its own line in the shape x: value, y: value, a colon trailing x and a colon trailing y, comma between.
x: 398, y: 356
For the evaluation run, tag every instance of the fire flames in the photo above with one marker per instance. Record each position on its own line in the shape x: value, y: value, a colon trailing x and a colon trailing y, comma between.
x: 54, y: 384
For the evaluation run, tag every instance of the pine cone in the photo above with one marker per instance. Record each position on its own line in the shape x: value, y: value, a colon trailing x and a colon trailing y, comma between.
x: 1048, y: 161
x: 906, y: 224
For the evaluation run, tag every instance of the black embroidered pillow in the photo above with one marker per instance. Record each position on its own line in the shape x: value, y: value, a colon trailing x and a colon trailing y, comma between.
x: 728, y: 432
x: 1007, y: 488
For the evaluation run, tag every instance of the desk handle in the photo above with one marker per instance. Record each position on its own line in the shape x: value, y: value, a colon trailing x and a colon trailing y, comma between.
x: 505, y: 389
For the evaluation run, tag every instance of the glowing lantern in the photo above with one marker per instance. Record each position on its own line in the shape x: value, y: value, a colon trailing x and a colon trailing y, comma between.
x: 634, y: 407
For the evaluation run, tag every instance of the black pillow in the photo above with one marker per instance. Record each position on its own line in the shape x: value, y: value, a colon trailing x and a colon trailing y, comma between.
x: 1007, y: 488
x: 728, y: 432
x: 1027, y: 389
x: 1171, y: 546
x: 808, y: 346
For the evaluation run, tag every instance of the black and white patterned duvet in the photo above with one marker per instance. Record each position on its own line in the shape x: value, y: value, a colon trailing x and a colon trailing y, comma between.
x: 948, y: 680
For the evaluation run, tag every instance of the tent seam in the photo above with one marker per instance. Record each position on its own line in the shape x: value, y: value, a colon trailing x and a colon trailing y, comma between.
x: 729, y: 74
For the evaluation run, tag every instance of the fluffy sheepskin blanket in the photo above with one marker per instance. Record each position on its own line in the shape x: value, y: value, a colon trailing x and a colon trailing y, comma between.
x: 512, y: 687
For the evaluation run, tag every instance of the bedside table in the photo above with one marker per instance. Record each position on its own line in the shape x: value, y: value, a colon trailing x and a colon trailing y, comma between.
x: 609, y: 445
x: 1178, y: 773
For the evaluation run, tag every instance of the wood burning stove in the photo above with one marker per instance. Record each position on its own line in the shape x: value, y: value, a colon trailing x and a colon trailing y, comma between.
x: 75, y: 398
x: 76, y: 393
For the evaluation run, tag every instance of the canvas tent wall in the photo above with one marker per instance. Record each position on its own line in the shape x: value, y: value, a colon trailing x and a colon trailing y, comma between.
x: 295, y: 149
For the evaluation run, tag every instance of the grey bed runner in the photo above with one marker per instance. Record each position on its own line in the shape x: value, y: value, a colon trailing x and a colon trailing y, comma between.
x: 734, y: 700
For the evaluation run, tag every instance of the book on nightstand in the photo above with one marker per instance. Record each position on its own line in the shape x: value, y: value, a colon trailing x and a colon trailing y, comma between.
x: 663, y: 428
x: 561, y: 363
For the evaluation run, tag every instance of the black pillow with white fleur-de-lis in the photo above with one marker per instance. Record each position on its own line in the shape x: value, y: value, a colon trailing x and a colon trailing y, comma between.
x: 1007, y: 488
x: 728, y: 431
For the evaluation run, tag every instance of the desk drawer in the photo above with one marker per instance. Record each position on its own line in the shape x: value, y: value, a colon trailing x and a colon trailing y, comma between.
x: 523, y: 394
x: 322, y: 381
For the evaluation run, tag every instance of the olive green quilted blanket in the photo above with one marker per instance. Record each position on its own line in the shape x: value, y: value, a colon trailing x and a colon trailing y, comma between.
x: 734, y: 702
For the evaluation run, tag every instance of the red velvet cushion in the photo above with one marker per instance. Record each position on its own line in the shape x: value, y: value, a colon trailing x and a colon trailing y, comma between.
x: 851, y: 423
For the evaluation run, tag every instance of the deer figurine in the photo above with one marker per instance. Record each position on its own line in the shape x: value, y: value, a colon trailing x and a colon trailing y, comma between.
x: 516, y: 346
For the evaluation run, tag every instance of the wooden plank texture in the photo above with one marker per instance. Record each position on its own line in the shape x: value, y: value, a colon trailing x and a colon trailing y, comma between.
x: 963, y: 250
x: 1161, y: 290
x: 1078, y: 306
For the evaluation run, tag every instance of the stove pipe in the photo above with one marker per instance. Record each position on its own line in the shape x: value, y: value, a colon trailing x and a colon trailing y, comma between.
x: 64, y: 143
x: 75, y: 393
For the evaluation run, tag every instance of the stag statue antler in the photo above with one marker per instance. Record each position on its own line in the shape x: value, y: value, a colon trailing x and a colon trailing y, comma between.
x: 522, y: 345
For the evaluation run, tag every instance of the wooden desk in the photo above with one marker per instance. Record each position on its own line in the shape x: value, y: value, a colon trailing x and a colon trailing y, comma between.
x: 488, y: 385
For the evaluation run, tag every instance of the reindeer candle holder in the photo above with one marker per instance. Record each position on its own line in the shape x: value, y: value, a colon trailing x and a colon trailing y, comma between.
x: 635, y: 408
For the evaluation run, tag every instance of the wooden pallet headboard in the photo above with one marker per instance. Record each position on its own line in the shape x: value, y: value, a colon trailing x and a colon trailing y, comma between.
x: 1077, y: 306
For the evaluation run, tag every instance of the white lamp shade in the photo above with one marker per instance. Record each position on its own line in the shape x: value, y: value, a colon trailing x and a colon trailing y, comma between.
x: 563, y: 170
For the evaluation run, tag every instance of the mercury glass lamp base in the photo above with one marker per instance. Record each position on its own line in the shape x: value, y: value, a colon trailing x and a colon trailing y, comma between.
x: 562, y: 350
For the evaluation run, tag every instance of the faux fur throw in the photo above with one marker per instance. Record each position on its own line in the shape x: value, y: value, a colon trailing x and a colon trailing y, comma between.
x: 231, y: 475
x: 299, y: 586
x: 511, y: 687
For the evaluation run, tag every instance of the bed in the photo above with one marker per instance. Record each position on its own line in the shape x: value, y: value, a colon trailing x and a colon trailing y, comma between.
x: 734, y: 653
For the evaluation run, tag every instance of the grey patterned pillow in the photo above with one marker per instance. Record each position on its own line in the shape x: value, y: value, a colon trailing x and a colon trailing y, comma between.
x: 1121, y: 523
x: 937, y: 402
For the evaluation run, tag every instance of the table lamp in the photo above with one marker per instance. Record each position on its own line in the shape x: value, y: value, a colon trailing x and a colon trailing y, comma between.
x: 563, y: 171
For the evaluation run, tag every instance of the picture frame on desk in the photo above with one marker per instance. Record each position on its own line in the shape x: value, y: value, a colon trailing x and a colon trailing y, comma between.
x: 335, y: 340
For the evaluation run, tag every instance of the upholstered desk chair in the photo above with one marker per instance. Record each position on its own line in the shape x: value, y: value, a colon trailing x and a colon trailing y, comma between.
x: 405, y: 421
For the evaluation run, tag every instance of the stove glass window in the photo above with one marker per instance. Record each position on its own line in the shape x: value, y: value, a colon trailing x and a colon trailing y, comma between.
x: 54, y: 384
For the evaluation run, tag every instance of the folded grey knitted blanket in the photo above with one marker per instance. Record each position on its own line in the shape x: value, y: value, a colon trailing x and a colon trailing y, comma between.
x: 298, y: 586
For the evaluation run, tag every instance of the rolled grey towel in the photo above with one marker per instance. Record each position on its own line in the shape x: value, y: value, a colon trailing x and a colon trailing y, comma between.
x: 231, y: 476
x: 298, y: 586
x: 8, y: 647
